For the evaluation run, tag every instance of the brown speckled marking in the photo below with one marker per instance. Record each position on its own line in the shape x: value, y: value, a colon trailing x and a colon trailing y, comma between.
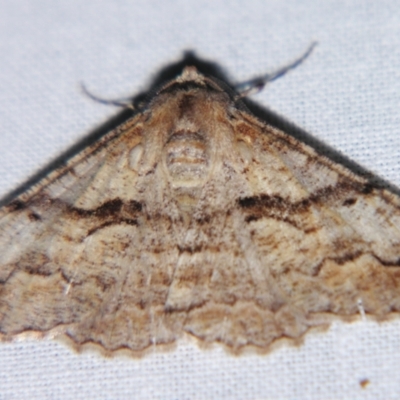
x: 220, y: 227
x: 364, y: 383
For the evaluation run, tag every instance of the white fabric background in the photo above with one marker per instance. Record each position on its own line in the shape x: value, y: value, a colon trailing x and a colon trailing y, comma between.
x: 346, y: 94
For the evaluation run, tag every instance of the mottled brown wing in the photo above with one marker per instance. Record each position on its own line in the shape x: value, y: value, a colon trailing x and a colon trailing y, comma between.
x: 328, y: 237
x: 305, y: 240
x: 194, y: 217
x: 69, y: 243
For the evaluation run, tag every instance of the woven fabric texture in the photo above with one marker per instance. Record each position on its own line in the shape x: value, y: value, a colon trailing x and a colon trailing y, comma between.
x: 346, y: 94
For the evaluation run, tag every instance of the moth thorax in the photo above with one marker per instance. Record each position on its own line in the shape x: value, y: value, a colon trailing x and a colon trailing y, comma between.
x: 186, y: 158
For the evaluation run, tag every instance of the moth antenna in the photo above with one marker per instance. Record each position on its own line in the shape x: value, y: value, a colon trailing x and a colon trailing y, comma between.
x: 257, y: 84
x: 126, y: 103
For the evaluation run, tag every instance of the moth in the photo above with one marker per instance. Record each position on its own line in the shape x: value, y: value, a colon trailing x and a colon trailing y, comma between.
x: 194, y: 218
